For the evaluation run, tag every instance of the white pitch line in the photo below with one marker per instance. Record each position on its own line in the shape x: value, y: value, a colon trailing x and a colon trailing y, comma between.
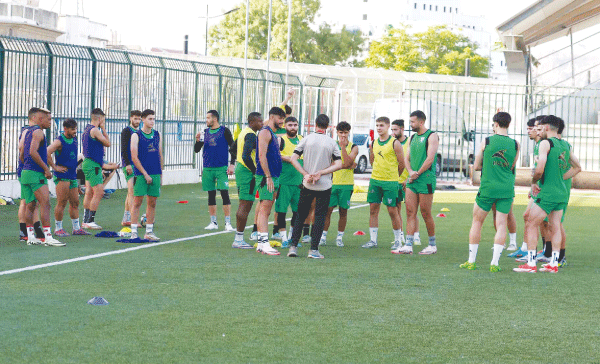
x: 121, y: 251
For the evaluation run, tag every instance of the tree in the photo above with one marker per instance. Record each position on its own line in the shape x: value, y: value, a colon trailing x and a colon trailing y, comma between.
x: 321, y: 46
x: 437, y: 50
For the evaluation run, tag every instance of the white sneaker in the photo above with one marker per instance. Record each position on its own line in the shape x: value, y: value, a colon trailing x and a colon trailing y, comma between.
x: 396, y: 245
x: 254, y: 236
x: 91, y: 225
x: 370, y: 244
x: 407, y: 249
x: 323, y: 241
x: 228, y: 227
x: 259, y: 247
x: 417, y: 240
x: 151, y: 237
x: 212, y: 226
x: 430, y: 249
x: 339, y: 243
x: 269, y: 250
x: 35, y: 241
x: 306, y: 239
x: 53, y: 242
x: 241, y: 245
x: 512, y: 247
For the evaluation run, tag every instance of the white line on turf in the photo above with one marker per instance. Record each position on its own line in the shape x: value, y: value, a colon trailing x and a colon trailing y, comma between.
x: 121, y: 251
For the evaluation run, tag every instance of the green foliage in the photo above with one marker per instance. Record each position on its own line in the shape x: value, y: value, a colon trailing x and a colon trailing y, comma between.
x: 437, y: 50
x: 307, y: 45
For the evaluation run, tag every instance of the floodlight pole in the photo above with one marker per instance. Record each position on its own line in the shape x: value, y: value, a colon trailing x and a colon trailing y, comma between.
x: 244, y: 110
x: 206, y: 33
x: 287, y: 59
x: 268, y: 54
x: 206, y: 25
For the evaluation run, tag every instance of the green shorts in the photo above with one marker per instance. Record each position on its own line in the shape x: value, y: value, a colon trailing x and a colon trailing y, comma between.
x: 503, y: 205
x: 340, y: 196
x: 31, y: 181
x: 92, y: 172
x: 72, y: 182
x: 263, y: 191
x: 401, y: 193
x: 141, y: 188
x: 424, y: 185
x: 383, y: 190
x: 549, y: 206
x: 289, y: 195
x: 215, y: 179
x: 246, y: 184
x: 127, y: 176
x: 562, y: 219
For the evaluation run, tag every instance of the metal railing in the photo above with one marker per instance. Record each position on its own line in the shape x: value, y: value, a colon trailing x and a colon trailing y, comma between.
x: 71, y: 80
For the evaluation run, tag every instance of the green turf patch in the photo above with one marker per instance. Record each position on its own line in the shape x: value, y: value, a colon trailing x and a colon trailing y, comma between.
x: 202, y: 301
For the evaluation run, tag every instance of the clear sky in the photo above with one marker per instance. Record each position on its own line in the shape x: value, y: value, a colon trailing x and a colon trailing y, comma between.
x: 154, y: 23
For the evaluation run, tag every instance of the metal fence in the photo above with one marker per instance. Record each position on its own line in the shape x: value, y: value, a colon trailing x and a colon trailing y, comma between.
x: 71, y: 80
x: 461, y: 114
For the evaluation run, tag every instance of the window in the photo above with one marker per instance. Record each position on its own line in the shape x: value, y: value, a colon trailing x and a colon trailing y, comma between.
x: 451, y: 9
x: 444, y: 9
x: 365, y: 1
x: 424, y: 6
x: 456, y: 10
x: 430, y: 7
x: 415, y: 5
x: 435, y: 10
x: 364, y: 16
x: 501, y: 64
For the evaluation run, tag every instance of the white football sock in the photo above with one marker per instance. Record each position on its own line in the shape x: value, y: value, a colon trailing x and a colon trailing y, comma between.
x: 373, y: 234
x: 473, y: 252
x: 497, y: 252
x: 531, y: 258
x: 554, y: 259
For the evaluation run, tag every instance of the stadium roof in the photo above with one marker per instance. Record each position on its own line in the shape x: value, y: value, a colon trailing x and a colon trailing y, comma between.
x: 549, y: 19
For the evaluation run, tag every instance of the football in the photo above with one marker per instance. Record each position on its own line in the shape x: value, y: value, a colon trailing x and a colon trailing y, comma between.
x: 143, y: 220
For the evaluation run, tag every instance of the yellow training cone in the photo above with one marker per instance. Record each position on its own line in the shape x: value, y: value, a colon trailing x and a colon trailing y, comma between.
x: 445, y: 209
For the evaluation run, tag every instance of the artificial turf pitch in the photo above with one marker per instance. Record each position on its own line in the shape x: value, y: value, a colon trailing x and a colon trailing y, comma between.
x: 199, y: 300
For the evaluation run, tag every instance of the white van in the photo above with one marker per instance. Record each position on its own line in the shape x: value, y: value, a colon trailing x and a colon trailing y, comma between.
x: 457, y: 145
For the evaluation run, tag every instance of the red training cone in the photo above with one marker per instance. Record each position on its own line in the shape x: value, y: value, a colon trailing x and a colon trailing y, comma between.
x: 441, y: 215
x: 358, y: 233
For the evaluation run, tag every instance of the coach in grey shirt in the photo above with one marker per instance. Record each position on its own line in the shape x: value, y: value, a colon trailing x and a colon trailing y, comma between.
x: 322, y: 157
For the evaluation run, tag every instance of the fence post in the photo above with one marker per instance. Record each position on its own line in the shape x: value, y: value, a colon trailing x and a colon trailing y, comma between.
x: 94, y: 86
x: 197, y: 84
x: 300, y: 106
x: 242, y: 101
x: 220, y: 101
x: 130, y: 93
x: 164, y: 110
x: 1, y: 102
x: 49, y: 90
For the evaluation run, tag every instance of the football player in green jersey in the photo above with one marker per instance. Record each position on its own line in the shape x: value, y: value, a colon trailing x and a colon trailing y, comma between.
x: 421, y: 183
x: 496, y: 160
x: 554, y: 167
